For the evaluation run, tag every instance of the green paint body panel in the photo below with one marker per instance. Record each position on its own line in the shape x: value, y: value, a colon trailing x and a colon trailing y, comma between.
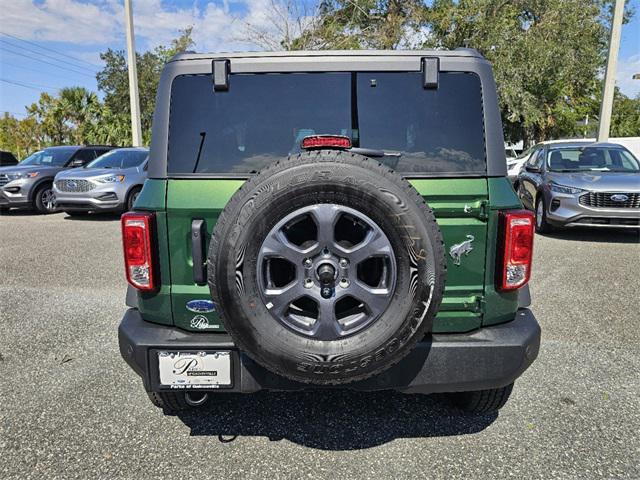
x: 462, y: 207
x: 186, y: 200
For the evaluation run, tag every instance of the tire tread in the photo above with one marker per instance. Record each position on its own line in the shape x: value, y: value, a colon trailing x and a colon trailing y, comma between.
x: 482, y: 401
x: 169, y: 402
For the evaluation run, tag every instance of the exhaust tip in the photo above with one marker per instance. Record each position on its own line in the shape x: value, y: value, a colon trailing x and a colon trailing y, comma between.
x: 196, y: 399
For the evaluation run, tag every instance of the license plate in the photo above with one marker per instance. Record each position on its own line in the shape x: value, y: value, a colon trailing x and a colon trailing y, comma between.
x: 195, y: 369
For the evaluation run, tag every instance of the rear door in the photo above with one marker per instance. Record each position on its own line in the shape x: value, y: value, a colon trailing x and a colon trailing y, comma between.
x: 433, y: 137
x: 440, y: 134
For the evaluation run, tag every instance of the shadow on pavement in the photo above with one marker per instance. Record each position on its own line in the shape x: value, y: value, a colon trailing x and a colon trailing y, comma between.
x: 604, y: 235
x: 23, y: 212
x: 93, y: 217
x: 331, y: 419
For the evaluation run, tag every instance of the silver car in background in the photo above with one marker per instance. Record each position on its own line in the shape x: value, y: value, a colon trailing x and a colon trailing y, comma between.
x: 582, y: 184
x: 111, y: 183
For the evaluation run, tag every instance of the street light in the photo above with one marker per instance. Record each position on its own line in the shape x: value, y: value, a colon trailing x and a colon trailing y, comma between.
x: 136, y: 130
x: 610, y: 73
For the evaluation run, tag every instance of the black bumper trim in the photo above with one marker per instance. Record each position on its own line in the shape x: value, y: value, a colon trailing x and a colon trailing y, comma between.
x: 87, y: 207
x: 490, y: 357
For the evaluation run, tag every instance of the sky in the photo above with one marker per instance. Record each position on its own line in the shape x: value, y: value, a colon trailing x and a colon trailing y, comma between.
x: 49, y: 44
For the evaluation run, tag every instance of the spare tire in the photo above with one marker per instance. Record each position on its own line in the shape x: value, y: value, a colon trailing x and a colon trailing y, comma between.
x: 327, y: 267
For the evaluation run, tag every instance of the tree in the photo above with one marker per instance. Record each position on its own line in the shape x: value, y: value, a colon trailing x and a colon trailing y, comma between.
x: 8, y: 127
x: 49, y: 116
x: 625, y: 121
x: 285, y: 25
x: 113, y: 80
x: 546, y: 54
x: 80, y: 108
x: 358, y: 24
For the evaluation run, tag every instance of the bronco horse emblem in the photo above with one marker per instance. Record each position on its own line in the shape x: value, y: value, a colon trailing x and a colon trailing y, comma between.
x: 456, y: 251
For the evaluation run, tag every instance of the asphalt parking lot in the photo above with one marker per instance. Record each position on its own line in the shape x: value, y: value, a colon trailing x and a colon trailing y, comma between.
x: 71, y: 408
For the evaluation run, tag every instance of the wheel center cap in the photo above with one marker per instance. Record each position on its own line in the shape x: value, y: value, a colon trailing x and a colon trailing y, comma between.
x: 326, y: 274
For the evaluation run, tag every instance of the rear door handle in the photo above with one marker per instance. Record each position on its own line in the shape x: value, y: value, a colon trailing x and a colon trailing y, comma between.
x: 198, y: 233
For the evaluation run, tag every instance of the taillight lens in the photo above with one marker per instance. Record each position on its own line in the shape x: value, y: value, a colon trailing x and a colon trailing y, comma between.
x: 138, y: 249
x: 514, y: 267
x: 326, y: 141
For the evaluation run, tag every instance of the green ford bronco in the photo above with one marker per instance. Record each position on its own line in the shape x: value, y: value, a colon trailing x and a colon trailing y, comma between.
x: 328, y: 220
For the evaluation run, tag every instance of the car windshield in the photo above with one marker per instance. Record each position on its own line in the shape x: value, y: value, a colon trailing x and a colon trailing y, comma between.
x: 262, y: 118
x: 52, y: 157
x: 592, y: 159
x: 119, y: 159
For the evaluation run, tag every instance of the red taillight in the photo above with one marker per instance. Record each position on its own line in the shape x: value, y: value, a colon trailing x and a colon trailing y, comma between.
x: 326, y: 141
x: 138, y: 249
x: 514, y: 266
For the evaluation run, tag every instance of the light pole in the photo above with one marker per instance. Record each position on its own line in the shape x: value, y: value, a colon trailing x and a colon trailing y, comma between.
x: 610, y: 73
x: 136, y: 129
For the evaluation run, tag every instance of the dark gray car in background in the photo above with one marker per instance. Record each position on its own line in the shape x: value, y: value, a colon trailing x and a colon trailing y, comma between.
x: 29, y: 184
x: 582, y: 184
x: 111, y: 183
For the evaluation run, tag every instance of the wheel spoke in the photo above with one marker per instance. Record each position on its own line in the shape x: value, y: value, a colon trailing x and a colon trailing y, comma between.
x: 376, y: 299
x: 375, y: 244
x: 325, y: 215
x: 48, y: 199
x: 277, y: 245
x: 279, y: 299
x: 326, y: 326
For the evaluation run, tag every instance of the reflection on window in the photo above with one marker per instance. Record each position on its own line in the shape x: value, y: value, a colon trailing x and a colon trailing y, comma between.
x: 263, y: 118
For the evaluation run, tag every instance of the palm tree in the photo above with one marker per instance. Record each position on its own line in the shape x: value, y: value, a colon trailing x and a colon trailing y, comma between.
x: 79, y: 107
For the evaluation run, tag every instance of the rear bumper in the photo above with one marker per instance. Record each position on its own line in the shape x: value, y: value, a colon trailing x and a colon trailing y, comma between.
x: 491, y: 357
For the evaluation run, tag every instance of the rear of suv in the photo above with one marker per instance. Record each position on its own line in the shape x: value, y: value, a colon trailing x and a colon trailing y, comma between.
x: 29, y: 184
x: 328, y: 220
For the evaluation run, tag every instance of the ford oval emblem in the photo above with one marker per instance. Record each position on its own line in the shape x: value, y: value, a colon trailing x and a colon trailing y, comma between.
x: 201, y: 306
x: 619, y: 197
x: 73, y: 184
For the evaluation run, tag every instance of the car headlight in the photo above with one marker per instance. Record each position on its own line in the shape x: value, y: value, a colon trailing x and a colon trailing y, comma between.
x: 17, y: 175
x: 110, y: 179
x: 556, y: 187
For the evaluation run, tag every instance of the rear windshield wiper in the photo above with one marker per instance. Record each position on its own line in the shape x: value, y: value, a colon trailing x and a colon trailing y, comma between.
x: 370, y: 152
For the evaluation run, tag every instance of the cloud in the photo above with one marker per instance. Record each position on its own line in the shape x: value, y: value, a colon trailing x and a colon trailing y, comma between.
x: 62, y: 21
x: 627, y: 67
x: 216, y: 26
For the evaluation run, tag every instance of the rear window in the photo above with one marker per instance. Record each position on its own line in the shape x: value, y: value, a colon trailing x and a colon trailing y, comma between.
x: 264, y: 117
